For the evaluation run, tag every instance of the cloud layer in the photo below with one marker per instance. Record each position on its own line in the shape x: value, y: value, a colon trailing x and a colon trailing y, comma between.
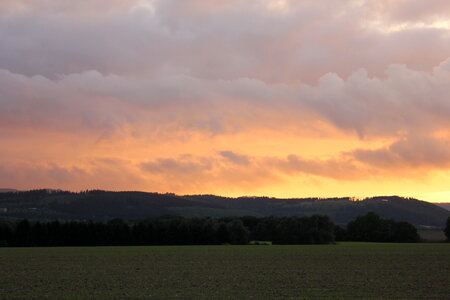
x: 194, y: 96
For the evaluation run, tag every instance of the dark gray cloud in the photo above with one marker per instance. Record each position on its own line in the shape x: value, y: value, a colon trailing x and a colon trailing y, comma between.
x: 189, y: 165
x: 235, y: 157
x: 416, y: 152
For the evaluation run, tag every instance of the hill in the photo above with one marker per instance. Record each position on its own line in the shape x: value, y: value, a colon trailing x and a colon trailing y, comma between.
x: 104, y: 205
x: 7, y: 190
x: 444, y: 205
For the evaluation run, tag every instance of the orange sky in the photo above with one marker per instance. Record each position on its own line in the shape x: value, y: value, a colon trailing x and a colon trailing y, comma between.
x: 279, y: 98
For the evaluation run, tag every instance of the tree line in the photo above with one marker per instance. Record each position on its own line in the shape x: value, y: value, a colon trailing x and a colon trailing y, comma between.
x: 169, y: 230
x: 372, y: 228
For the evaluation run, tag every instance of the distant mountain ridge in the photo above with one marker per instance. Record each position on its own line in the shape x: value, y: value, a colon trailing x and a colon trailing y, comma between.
x: 444, y: 205
x: 7, y: 190
x: 103, y: 205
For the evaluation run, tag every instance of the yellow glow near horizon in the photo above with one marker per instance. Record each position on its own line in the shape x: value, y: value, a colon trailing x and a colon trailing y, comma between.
x: 119, y: 163
x: 436, y: 197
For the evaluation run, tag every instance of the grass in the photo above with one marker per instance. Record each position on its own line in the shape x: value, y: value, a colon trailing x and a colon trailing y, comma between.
x: 432, y: 235
x: 343, y: 271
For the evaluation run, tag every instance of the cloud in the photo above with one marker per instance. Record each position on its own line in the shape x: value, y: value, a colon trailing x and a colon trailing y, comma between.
x: 102, y: 173
x: 179, y: 167
x: 405, y: 101
x: 339, y: 168
x: 234, y: 39
x: 131, y: 79
x: 411, y: 10
x: 231, y: 171
x: 408, y: 154
x: 413, y: 152
x: 238, y: 169
x: 235, y: 157
x: 206, y: 173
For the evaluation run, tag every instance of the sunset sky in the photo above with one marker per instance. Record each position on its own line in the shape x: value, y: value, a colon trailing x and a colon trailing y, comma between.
x: 279, y: 98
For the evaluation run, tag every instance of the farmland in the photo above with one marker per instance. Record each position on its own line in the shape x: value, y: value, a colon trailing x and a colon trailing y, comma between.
x: 342, y: 271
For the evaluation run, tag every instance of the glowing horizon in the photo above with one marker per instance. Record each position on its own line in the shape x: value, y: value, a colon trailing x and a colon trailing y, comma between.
x: 271, y: 98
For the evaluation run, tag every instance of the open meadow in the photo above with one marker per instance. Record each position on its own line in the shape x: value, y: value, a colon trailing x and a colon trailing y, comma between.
x: 342, y: 271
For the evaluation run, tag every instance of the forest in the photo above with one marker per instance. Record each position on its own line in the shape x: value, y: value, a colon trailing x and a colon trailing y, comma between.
x: 171, y: 230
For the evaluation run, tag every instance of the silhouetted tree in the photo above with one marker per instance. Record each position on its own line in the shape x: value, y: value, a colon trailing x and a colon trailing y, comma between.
x: 222, y: 234
x: 372, y: 228
x: 266, y: 230
x: 139, y: 234
x: 119, y: 232
x: 22, y: 234
x: 404, y: 232
x: 168, y: 231
x: 55, y: 234
x: 237, y: 232
x: 323, y: 229
x: 368, y: 228
x: 6, y: 233
x: 447, y: 229
x: 340, y: 234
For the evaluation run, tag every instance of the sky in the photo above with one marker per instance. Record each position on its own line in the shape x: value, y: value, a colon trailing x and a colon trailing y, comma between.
x: 312, y: 98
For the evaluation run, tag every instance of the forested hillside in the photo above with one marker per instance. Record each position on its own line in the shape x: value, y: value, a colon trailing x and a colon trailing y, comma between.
x: 104, y: 205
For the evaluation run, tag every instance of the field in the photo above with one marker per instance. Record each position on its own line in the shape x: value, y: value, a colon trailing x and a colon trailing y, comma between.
x: 432, y: 235
x: 343, y: 271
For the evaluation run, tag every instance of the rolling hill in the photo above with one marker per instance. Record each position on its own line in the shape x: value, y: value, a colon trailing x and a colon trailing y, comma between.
x: 104, y: 205
x: 444, y: 205
x: 8, y: 190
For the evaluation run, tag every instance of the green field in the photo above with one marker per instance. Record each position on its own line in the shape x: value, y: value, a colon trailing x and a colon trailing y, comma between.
x: 343, y: 271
